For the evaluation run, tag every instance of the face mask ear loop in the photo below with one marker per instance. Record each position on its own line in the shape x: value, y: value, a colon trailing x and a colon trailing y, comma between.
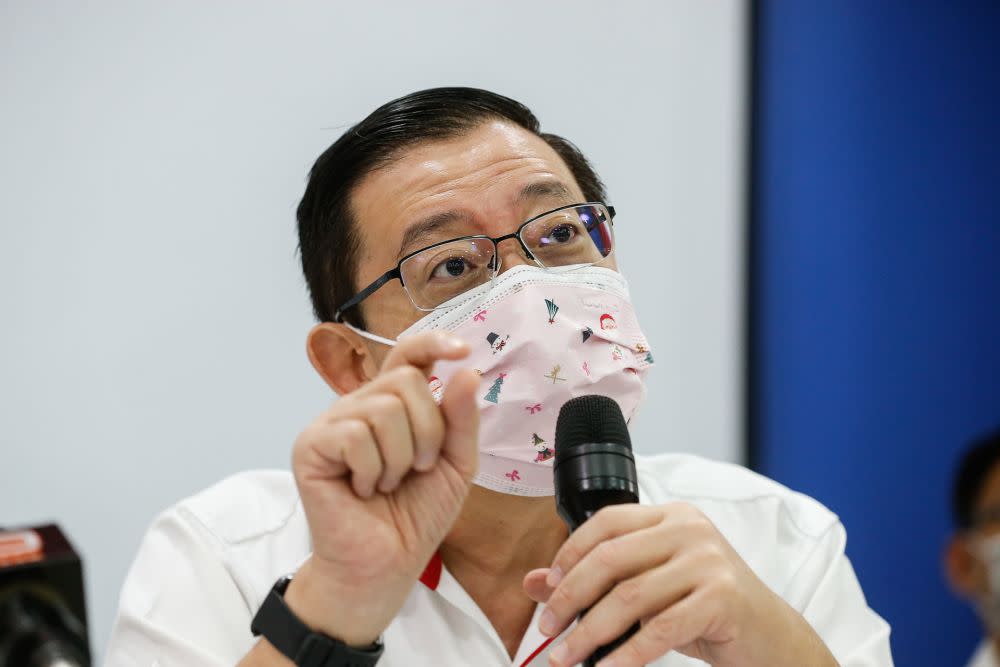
x: 370, y: 336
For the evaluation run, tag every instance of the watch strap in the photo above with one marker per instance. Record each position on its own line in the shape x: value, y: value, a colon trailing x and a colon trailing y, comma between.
x: 296, y: 641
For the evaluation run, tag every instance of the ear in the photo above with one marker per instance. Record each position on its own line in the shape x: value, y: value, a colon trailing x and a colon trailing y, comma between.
x: 340, y: 356
x: 962, y: 567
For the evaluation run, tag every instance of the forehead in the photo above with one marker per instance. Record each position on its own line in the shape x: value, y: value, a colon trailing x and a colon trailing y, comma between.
x: 481, y: 170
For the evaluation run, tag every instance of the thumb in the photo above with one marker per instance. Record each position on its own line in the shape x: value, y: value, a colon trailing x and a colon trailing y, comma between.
x: 461, y: 416
x: 535, y: 585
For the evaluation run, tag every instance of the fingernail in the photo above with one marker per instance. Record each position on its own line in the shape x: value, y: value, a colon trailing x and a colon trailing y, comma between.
x: 554, y: 577
x: 559, y: 654
x: 547, y: 623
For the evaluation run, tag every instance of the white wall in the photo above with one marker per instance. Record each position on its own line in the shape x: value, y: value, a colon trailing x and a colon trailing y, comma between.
x: 152, y: 313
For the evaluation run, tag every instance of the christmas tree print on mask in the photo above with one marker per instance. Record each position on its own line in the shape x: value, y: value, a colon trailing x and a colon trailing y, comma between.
x: 544, y: 453
x: 496, y: 342
x: 553, y: 309
x: 494, y: 394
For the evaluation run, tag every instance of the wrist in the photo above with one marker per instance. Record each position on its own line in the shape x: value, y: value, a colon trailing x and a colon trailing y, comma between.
x: 798, y: 641
x: 347, y: 613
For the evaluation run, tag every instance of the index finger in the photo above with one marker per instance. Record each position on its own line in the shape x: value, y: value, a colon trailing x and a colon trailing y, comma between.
x: 423, y: 349
x: 609, y: 523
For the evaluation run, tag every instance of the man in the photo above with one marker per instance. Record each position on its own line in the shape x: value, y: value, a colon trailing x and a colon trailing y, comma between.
x: 972, y: 559
x: 424, y: 533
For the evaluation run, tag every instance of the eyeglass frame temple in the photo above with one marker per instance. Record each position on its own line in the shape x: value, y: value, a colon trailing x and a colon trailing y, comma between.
x: 391, y: 274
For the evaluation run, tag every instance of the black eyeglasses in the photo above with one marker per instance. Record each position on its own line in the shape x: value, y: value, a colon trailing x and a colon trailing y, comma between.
x: 566, y: 237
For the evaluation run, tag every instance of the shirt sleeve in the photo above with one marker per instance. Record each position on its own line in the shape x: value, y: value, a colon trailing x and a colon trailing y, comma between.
x: 180, y: 604
x: 826, y: 591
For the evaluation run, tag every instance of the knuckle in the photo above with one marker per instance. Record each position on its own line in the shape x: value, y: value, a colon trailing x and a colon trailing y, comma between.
x: 570, y: 554
x: 627, y: 592
x: 409, y: 376
x: 697, y: 525
x: 305, y: 439
x: 384, y: 405
x: 686, y: 513
x: 684, y: 507
x: 661, y: 629
x: 725, y: 584
x: 631, y: 653
x: 607, y: 554
x: 561, y: 599
x: 611, y: 513
x: 352, y: 432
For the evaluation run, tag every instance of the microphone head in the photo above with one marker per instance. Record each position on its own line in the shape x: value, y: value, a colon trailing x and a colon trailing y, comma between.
x: 594, y: 464
x: 589, y: 419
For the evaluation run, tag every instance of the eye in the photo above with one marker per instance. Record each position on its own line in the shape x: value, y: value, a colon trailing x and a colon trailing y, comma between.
x: 452, y: 267
x: 560, y: 234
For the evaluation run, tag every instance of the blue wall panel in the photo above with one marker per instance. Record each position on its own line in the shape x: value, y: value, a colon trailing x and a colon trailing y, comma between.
x: 875, y: 267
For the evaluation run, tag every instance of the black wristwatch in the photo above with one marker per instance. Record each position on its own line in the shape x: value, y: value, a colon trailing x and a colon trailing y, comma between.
x: 298, y: 643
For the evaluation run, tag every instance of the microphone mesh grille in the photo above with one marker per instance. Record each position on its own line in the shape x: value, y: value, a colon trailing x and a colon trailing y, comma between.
x: 591, y: 418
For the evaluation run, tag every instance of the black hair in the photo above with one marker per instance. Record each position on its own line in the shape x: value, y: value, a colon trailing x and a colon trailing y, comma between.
x: 974, y: 469
x: 328, y: 237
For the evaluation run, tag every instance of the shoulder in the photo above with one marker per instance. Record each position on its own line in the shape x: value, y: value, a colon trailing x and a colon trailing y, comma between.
x: 732, y: 490
x: 217, y: 552
x: 248, y: 529
x: 244, y: 506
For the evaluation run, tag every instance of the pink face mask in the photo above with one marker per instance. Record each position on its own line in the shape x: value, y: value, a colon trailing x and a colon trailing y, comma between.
x: 539, y: 338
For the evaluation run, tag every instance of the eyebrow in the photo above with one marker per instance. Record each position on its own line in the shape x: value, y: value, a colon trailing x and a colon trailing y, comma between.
x: 427, y: 227
x: 545, y: 190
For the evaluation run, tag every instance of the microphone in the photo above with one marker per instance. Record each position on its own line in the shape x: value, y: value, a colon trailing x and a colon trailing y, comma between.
x: 594, y: 467
x: 42, y: 615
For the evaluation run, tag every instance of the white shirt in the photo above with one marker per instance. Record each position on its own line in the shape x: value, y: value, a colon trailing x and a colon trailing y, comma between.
x: 984, y: 656
x: 207, y: 563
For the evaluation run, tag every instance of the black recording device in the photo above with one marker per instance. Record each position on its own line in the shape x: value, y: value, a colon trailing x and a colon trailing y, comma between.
x: 42, y: 614
x: 594, y: 468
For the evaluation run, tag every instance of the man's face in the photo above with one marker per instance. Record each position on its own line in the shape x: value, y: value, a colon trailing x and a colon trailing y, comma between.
x: 966, y: 569
x: 486, y: 181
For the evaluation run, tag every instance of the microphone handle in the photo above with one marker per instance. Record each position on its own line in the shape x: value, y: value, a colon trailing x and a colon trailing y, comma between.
x: 606, y: 650
x: 602, y: 651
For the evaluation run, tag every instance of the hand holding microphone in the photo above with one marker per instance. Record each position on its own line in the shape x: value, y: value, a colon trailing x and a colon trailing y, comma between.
x: 646, y: 580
